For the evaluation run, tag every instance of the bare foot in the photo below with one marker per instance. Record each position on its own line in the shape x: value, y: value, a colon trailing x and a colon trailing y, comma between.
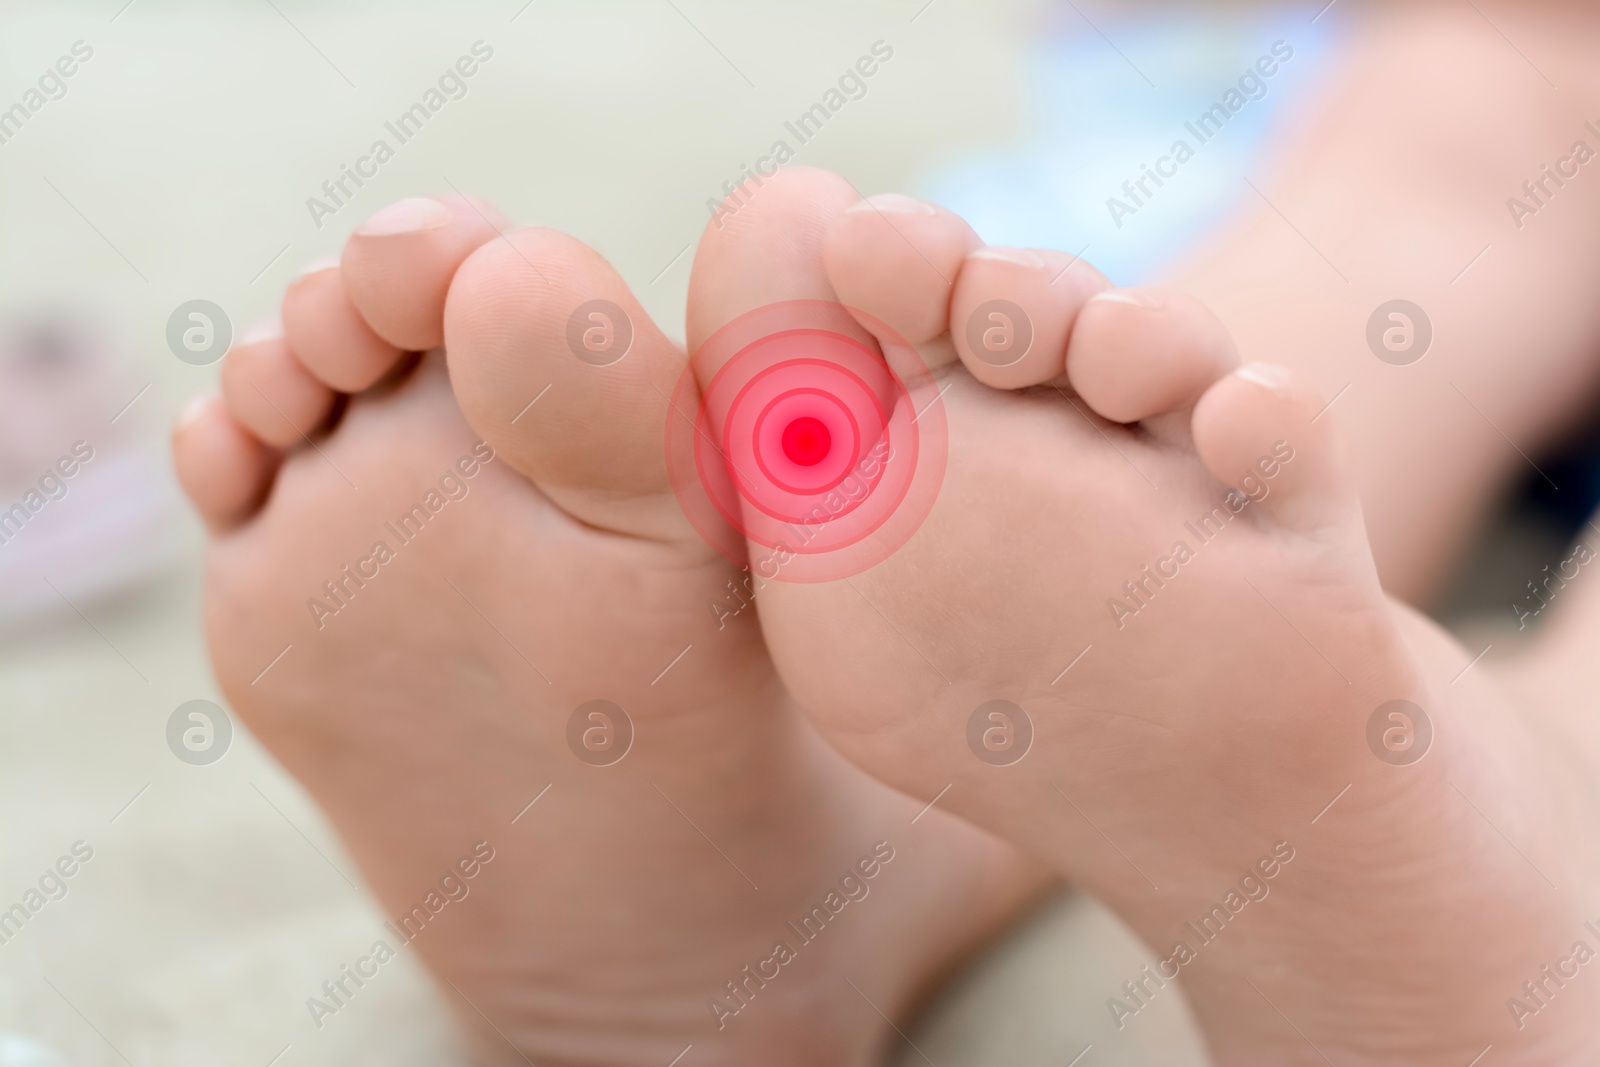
x: 1210, y: 716
x: 411, y: 605
x: 1381, y: 193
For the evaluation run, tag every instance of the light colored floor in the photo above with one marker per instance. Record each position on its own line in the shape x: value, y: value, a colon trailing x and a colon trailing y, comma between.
x: 177, y: 166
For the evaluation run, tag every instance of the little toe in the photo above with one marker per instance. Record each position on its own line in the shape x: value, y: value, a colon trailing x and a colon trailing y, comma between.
x: 1262, y: 430
x: 224, y: 469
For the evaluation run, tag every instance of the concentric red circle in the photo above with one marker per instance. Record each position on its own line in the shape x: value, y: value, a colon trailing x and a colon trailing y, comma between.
x: 807, y: 441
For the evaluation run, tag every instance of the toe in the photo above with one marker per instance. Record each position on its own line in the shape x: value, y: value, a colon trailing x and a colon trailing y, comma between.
x: 269, y: 392
x: 222, y: 467
x: 1137, y: 354
x: 761, y: 283
x: 559, y: 368
x: 1013, y: 311
x: 771, y: 251
x: 398, y: 265
x: 781, y: 227
x: 1262, y: 431
x: 897, y: 259
x: 329, y: 336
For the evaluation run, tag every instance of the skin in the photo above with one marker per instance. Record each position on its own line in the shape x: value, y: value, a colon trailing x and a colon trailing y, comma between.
x: 429, y: 713
x: 1396, y: 180
x: 1218, y: 721
x: 1275, y: 297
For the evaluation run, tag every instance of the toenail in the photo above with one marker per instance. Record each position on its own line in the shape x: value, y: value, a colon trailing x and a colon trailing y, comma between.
x: 1020, y: 256
x: 1142, y: 298
x: 322, y: 263
x: 270, y: 330
x: 411, y: 215
x: 892, y: 204
x: 193, y: 410
x: 1270, y: 376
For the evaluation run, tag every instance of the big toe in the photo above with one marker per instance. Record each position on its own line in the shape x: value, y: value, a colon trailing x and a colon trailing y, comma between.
x: 766, y: 249
x: 557, y: 365
x: 824, y: 418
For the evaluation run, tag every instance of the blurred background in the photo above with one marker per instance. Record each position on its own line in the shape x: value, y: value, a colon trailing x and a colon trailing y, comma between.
x: 176, y: 166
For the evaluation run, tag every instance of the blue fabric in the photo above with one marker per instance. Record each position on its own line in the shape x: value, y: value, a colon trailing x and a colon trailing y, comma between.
x: 1092, y: 119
